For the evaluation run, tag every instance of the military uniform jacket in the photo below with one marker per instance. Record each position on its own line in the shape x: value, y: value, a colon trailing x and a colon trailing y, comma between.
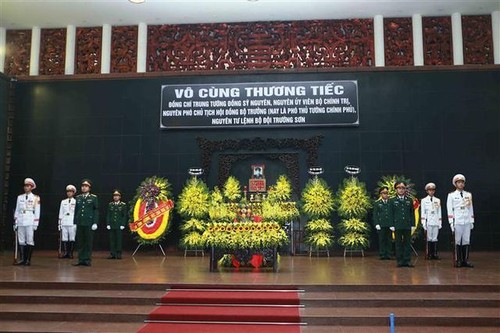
x: 117, y: 214
x: 27, y: 211
x: 402, y: 212
x: 459, y: 206
x: 430, y: 211
x: 86, y: 210
x: 67, y: 211
x: 382, y: 214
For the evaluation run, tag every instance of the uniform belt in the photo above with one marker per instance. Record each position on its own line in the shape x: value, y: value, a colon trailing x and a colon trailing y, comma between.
x: 25, y: 211
x: 67, y: 214
x: 462, y: 207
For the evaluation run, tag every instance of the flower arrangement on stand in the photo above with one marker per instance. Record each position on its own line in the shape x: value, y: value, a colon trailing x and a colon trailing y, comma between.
x: 248, y: 232
x: 318, y: 205
x: 353, y: 205
x: 150, y: 210
x: 389, y: 182
x: 193, y: 206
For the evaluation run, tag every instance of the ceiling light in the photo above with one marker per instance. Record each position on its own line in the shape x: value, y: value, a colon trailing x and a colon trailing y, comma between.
x: 137, y: 1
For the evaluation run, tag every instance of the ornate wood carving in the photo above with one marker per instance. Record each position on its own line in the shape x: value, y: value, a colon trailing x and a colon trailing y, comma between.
x: 17, y: 56
x: 265, y: 45
x: 438, y: 46
x: 208, y: 147
x: 88, y: 50
x: 398, y: 40
x: 52, y: 51
x: 333, y: 43
x: 124, y: 49
x: 478, y: 39
x: 290, y: 160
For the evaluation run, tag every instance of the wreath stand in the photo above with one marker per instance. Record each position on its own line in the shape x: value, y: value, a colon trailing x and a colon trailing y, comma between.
x: 327, y: 251
x: 351, y: 251
x: 159, y: 245
x: 195, y: 250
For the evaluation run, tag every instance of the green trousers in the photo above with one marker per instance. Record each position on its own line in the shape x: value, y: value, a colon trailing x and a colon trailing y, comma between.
x: 84, y: 240
x: 385, y: 243
x: 115, y: 242
x: 403, y: 246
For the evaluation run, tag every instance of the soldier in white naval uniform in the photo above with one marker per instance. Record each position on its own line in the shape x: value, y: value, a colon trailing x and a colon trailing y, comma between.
x: 430, y: 209
x: 26, y: 219
x: 461, y: 218
x: 66, y: 225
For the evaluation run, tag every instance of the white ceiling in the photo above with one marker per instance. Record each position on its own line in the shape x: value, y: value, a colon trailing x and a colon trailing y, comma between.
x: 23, y: 14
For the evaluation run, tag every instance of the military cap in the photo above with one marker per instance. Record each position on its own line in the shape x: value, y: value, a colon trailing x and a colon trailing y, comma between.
x: 30, y: 181
x: 87, y: 182
x: 431, y: 186
x: 71, y: 188
x: 117, y: 192
x: 458, y: 177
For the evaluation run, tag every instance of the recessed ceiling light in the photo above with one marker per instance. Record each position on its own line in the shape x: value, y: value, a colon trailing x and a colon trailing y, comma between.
x: 137, y: 1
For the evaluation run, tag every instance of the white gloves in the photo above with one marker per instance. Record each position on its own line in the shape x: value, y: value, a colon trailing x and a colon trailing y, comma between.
x: 59, y: 227
x: 35, y: 227
x: 108, y: 227
x: 122, y: 227
x: 392, y: 229
x: 471, y: 226
x: 439, y: 227
x: 94, y: 227
x: 452, y: 227
x: 377, y: 227
x: 14, y: 227
x: 424, y: 226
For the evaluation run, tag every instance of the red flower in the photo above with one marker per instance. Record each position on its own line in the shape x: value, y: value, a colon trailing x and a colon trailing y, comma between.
x: 257, y: 218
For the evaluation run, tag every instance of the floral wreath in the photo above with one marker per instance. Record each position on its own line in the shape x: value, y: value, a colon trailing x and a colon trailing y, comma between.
x: 150, y: 210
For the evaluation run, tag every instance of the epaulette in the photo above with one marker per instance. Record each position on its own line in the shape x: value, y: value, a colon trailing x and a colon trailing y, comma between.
x: 93, y: 195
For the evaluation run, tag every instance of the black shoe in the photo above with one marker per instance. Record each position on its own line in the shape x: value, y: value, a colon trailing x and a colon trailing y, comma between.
x: 410, y: 265
x: 111, y: 257
x: 401, y: 265
x: 80, y: 263
x: 467, y: 264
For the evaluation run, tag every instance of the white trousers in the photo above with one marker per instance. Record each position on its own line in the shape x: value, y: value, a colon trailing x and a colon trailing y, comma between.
x: 68, y: 233
x: 432, y: 233
x: 25, y: 235
x: 462, y: 234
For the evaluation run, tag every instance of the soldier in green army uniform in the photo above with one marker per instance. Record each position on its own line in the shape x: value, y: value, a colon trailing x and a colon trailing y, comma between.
x: 404, y: 220
x: 116, y: 220
x: 382, y: 219
x: 86, y: 218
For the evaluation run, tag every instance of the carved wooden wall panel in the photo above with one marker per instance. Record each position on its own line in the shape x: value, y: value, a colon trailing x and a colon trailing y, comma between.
x: 52, y: 51
x: 333, y: 43
x: 17, y: 56
x: 187, y: 47
x: 260, y: 45
x: 124, y: 49
x: 398, y: 40
x: 438, y: 45
x: 88, y: 50
x: 478, y: 39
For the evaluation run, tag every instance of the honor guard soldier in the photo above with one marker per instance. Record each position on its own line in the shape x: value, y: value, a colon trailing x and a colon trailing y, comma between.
x: 430, y: 212
x: 26, y: 219
x: 86, y: 218
x: 116, y: 220
x: 66, y: 226
x: 403, y: 218
x: 382, y: 219
x: 461, y: 219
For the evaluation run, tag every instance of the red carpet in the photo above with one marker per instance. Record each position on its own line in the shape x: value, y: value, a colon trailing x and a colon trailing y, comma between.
x: 224, y: 310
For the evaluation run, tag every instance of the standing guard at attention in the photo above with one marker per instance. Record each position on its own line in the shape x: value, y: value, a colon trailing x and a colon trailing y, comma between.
x: 26, y: 219
x: 116, y: 220
x: 66, y: 226
x: 461, y: 219
x: 404, y: 220
x: 382, y: 219
x: 86, y: 219
x: 430, y: 212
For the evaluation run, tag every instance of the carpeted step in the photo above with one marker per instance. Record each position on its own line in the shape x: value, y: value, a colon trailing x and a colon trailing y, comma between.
x: 72, y: 326
x: 230, y: 297
x: 217, y: 328
x: 226, y: 313
x: 398, y: 329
